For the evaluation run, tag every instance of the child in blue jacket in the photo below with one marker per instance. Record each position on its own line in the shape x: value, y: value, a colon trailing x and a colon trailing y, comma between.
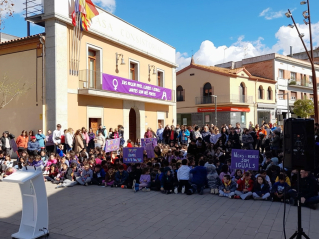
x: 199, y: 178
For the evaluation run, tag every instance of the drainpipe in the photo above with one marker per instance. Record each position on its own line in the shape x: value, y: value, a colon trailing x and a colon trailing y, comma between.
x: 43, y: 72
x: 255, y: 111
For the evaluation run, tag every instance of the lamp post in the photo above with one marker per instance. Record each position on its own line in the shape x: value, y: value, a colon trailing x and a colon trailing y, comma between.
x: 215, y: 99
x: 310, y: 56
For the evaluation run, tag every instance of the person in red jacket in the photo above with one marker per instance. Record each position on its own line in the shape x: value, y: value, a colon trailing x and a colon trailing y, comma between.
x: 129, y: 143
x: 22, y: 141
x: 245, y: 187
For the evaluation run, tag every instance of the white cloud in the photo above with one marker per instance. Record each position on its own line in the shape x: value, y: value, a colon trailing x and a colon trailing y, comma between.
x: 108, y: 5
x: 209, y: 54
x: 264, y: 12
x: 269, y: 15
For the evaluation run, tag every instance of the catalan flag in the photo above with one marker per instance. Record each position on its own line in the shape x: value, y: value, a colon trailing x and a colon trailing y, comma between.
x: 90, y: 12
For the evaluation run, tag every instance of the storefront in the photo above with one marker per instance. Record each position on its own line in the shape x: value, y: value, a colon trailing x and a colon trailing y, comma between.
x: 225, y: 115
x: 266, y: 113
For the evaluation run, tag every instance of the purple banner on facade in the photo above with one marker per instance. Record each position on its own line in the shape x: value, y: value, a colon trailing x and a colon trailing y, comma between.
x: 245, y: 159
x: 132, y: 87
x: 133, y: 155
x: 112, y: 145
x: 144, y: 141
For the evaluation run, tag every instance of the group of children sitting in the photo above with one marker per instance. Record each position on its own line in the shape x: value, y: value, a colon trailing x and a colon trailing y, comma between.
x: 172, y: 170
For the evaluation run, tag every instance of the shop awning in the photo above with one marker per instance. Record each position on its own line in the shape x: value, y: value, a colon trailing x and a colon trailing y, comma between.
x: 266, y: 106
x: 223, y: 109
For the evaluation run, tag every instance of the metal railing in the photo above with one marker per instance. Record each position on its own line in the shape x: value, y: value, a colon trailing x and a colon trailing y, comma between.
x: 232, y: 98
x: 300, y: 83
x: 92, y: 80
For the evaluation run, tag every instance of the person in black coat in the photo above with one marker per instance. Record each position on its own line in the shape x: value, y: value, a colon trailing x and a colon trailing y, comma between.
x: 192, y: 148
x: 167, y: 182
x: 5, y: 142
x: 233, y: 137
x: 307, y: 189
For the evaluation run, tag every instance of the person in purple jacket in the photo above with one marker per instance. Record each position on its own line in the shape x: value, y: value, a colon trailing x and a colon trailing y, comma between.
x: 145, y: 182
x: 38, y: 162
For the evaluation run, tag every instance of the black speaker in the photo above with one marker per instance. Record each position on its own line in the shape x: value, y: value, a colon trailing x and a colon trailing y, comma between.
x: 299, y: 144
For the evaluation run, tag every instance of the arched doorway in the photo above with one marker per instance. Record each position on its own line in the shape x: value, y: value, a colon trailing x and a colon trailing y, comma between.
x: 207, y: 93
x: 132, y: 125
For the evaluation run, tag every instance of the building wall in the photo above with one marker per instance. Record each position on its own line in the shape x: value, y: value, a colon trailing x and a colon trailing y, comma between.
x: 193, y: 86
x: 23, y: 112
x: 262, y: 69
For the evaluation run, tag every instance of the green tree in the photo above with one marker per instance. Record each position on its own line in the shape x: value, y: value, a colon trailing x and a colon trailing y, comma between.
x: 304, y: 108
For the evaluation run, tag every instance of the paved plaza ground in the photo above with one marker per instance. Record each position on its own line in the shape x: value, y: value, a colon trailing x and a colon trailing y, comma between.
x: 95, y: 212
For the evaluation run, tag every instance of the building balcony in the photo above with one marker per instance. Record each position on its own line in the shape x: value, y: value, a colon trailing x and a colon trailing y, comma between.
x: 224, y: 99
x: 90, y: 83
x: 303, y: 83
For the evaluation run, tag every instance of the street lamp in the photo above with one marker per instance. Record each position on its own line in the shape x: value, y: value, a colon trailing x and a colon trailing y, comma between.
x: 215, y: 96
x: 310, y: 56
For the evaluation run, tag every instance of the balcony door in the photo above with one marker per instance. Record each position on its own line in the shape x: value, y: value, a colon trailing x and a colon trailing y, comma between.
x: 92, y: 69
x: 207, y: 93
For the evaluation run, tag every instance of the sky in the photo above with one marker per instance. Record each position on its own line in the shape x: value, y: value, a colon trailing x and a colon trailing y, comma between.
x: 214, y: 31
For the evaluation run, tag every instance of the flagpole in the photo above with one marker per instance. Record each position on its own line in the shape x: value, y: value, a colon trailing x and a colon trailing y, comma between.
x: 78, y: 37
x: 76, y: 41
x: 72, y: 49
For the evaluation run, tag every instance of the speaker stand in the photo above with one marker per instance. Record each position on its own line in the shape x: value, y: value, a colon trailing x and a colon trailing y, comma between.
x: 299, y: 233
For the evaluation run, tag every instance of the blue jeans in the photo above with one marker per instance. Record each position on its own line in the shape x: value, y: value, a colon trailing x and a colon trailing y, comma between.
x: 313, y: 200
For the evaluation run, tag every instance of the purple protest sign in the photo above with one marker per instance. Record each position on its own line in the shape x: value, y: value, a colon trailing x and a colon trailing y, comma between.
x: 122, y: 85
x: 112, y: 145
x: 149, y: 150
x: 133, y: 155
x: 245, y: 159
x: 144, y: 141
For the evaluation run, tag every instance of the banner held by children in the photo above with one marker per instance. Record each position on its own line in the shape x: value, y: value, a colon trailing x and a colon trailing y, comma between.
x: 245, y: 159
x: 133, y: 155
x: 149, y: 140
x: 112, y: 145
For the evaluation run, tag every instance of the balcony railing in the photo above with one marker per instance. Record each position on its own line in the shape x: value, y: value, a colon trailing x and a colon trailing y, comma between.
x: 92, y: 80
x: 224, y: 99
x: 300, y: 83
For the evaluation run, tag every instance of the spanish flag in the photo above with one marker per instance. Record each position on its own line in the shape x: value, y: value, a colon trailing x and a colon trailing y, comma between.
x: 90, y: 12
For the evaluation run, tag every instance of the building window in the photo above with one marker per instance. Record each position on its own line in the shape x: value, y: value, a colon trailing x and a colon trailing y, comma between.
x: 242, y: 92
x: 92, y: 69
x: 310, y: 79
x: 207, y: 93
x: 311, y: 97
x: 269, y: 93
x: 281, y: 74
x: 180, y: 93
x: 293, y: 76
x: 281, y: 95
x: 261, y: 92
x: 293, y: 95
x: 134, y: 70
x: 160, y: 78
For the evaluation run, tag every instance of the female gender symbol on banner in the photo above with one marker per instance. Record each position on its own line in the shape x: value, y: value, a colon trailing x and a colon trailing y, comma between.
x: 115, y: 85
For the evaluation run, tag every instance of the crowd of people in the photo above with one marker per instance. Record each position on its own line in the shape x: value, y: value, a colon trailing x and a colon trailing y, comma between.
x: 186, y: 159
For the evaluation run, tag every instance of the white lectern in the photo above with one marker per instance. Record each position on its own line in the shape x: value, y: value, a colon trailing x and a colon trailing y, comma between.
x: 35, y: 216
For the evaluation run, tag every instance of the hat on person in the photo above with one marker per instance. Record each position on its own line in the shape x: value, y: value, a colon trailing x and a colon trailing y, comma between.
x: 33, y: 137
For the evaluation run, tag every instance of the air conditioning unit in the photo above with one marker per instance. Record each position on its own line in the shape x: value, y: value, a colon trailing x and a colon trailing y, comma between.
x: 293, y: 97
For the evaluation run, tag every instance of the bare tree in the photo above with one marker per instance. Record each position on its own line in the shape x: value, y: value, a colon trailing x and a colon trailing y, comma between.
x: 10, y: 90
x: 6, y: 11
